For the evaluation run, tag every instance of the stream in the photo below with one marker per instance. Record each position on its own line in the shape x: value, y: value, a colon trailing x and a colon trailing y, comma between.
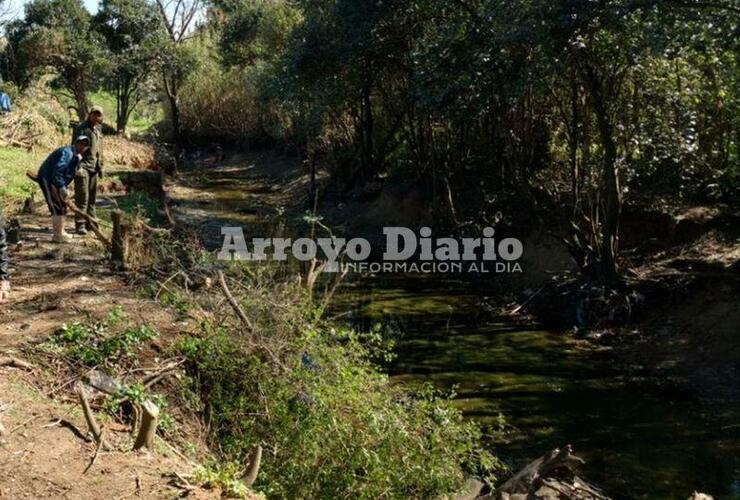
x: 531, y: 389
x: 549, y: 390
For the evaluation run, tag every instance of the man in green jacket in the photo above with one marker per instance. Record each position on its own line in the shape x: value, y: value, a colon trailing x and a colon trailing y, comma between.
x: 91, y: 167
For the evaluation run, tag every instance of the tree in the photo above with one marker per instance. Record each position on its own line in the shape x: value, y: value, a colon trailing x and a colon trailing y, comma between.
x: 483, y: 97
x: 178, y: 18
x: 348, y: 62
x: 253, y: 31
x: 56, y: 35
x: 134, y: 36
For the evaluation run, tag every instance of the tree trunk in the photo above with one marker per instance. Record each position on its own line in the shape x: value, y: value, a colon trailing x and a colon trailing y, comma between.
x: 172, y: 89
x: 122, y: 106
x: 119, y: 240
x: 611, y: 200
x: 367, y: 125
x: 82, y: 105
x: 575, y: 184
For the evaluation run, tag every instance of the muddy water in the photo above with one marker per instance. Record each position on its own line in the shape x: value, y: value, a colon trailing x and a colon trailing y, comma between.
x: 531, y: 389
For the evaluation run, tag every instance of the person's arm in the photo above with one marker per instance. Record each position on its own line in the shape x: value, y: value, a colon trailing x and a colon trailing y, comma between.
x: 100, y: 153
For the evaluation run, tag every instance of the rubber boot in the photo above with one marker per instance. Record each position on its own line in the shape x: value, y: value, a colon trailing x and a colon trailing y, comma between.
x: 60, y: 236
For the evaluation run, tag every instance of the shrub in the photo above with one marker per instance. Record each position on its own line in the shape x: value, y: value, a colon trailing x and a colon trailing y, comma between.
x: 37, y: 120
x: 224, y: 105
x: 332, y: 425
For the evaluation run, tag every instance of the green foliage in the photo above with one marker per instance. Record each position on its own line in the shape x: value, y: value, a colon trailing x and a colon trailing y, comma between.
x: 176, y: 300
x: 224, y: 105
x: 93, y: 345
x: 57, y: 34
x: 143, y: 206
x: 137, y: 394
x: 143, y: 116
x: 134, y: 35
x: 14, y: 185
x: 334, y: 425
x: 254, y: 31
x: 223, y: 476
x: 227, y: 99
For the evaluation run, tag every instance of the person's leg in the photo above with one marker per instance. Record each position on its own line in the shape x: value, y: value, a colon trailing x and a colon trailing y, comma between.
x: 82, y: 180
x: 91, y: 196
x: 47, y: 195
x: 59, y: 211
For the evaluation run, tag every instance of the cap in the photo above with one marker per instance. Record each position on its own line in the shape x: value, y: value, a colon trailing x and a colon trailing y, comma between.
x: 96, y: 109
x: 82, y: 138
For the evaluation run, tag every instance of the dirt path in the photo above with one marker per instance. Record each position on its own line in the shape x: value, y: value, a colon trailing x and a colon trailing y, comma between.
x: 52, y: 285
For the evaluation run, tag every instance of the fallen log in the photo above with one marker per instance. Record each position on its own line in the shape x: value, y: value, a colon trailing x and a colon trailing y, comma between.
x: 16, y: 363
x: 523, y: 481
x: 552, y: 476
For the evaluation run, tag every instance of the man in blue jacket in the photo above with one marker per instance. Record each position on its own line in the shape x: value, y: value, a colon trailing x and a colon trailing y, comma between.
x: 56, y: 173
x: 5, y: 105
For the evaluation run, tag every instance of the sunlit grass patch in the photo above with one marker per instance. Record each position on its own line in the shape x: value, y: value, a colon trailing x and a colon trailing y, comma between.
x: 14, y: 185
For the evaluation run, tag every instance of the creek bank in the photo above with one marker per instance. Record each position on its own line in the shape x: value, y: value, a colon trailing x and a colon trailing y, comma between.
x: 675, y: 317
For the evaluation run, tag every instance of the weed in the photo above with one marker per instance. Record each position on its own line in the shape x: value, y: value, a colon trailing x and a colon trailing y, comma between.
x: 93, y: 345
x: 143, y: 206
x: 223, y: 476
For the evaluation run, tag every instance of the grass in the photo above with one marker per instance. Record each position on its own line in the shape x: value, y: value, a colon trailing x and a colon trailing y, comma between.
x: 14, y: 185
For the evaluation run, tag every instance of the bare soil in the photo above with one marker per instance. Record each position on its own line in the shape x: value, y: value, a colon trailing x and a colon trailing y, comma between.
x: 45, y: 452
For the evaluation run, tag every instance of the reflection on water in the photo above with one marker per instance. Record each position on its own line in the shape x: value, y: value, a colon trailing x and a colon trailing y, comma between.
x: 639, y: 441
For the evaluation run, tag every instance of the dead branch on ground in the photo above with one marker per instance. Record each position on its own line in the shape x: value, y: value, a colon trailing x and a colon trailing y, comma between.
x: 16, y: 363
x: 92, y: 424
x: 23, y: 424
x: 234, y: 304
x: 152, y: 379
x: 98, y: 446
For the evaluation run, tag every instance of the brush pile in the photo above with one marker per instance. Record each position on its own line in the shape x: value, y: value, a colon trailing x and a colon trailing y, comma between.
x: 37, y: 121
x: 136, y: 154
